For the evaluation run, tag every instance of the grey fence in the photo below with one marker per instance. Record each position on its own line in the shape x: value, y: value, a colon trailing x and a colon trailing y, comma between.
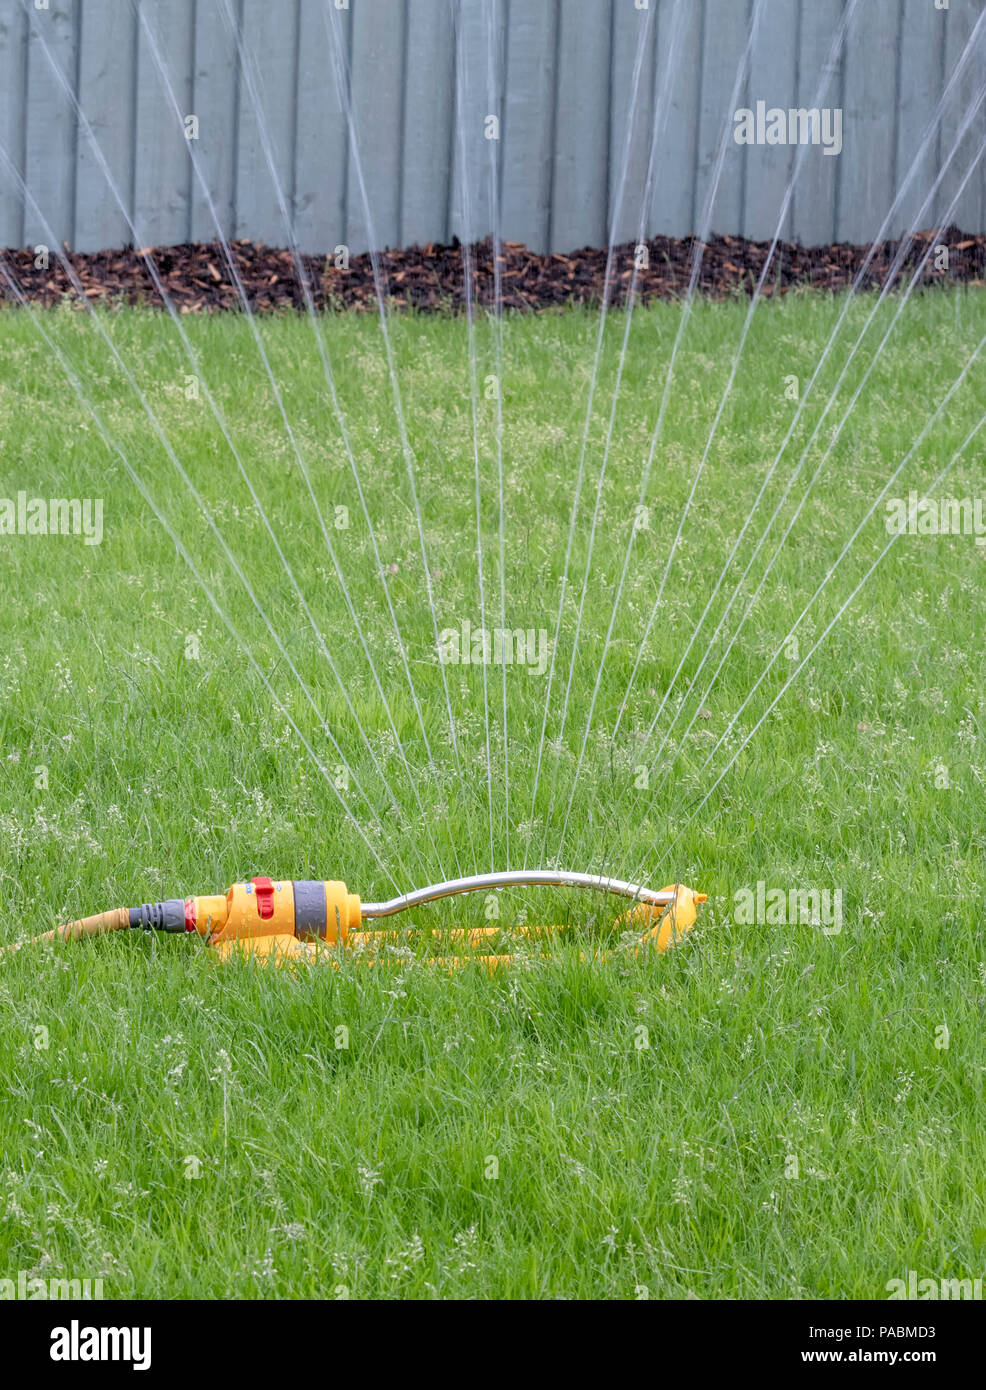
x: 573, y: 147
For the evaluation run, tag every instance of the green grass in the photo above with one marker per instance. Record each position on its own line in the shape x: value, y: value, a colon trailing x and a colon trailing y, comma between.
x: 564, y: 1129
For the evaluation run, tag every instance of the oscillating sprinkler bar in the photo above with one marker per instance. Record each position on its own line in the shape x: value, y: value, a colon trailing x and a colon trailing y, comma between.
x: 289, y: 919
x: 510, y: 878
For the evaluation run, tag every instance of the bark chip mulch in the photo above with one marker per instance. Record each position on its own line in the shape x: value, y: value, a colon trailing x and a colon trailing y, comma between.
x: 430, y: 278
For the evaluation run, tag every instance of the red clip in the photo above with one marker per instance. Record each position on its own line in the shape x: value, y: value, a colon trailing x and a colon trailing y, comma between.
x: 265, y: 897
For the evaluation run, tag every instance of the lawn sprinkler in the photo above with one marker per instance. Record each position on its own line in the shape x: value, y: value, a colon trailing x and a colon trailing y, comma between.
x: 284, y: 922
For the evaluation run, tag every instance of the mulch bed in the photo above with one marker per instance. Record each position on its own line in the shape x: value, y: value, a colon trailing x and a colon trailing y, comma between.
x: 431, y: 277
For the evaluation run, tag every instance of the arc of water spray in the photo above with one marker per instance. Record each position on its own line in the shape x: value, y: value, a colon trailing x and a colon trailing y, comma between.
x: 915, y: 279
x: 247, y: 68
x: 607, y: 280
x: 341, y: 73
x: 827, y: 72
x: 643, y: 487
x: 493, y: 100
x: 902, y: 250
x: 979, y: 155
x: 455, y: 9
x: 149, y: 261
x: 31, y: 203
x: 262, y: 125
x: 865, y: 579
x: 885, y: 289
x: 699, y: 248
x: 656, y: 129
x: 832, y: 569
x: 180, y: 546
x: 697, y: 259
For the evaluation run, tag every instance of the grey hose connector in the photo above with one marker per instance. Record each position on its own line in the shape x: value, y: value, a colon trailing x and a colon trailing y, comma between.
x: 164, y: 916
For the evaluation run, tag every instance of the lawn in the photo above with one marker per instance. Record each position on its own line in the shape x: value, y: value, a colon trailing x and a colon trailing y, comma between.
x: 776, y: 1109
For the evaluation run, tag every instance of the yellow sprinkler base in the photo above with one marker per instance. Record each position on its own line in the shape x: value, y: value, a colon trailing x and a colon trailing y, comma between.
x: 290, y: 922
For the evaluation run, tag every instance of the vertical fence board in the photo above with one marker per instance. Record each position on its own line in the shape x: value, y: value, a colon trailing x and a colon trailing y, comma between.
x: 773, y: 79
x: 813, y: 207
x: 528, y: 123
x: 631, y: 122
x: 322, y: 144
x: 922, y: 59
x: 727, y: 27
x: 866, y: 164
x: 50, y: 136
x: 162, y: 167
x: 378, y: 109
x: 679, y: 72
x: 215, y: 101
x: 469, y: 205
x: 429, y: 112
x: 267, y: 121
x: 960, y: 19
x: 13, y: 125
x: 107, y: 96
x: 581, y: 164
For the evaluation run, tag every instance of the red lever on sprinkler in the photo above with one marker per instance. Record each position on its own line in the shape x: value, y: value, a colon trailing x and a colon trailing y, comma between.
x: 264, y: 888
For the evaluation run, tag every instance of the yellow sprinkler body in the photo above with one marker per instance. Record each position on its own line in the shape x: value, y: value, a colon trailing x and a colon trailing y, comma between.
x: 666, y: 926
x: 285, y: 922
x: 319, y: 910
